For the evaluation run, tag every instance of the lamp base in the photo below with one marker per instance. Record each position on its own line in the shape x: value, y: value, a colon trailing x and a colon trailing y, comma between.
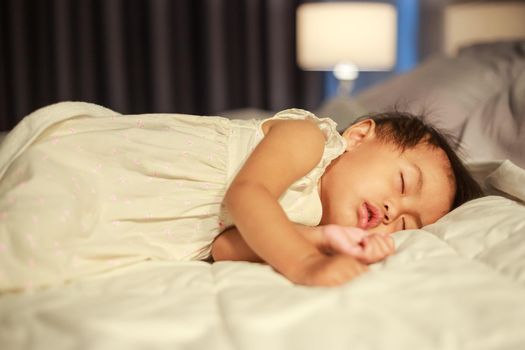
x: 345, y: 87
x: 346, y: 73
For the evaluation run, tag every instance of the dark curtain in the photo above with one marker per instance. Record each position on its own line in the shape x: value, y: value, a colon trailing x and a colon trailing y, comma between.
x: 140, y: 56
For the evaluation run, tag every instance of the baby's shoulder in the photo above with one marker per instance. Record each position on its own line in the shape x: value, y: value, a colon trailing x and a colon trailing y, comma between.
x: 291, y: 116
x: 270, y: 123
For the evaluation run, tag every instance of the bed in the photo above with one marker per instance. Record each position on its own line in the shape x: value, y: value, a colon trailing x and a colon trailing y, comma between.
x: 456, y: 284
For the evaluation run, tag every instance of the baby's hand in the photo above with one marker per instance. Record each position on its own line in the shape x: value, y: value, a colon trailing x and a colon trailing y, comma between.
x: 377, y: 246
x: 323, y: 270
x: 367, y: 248
x: 342, y: 239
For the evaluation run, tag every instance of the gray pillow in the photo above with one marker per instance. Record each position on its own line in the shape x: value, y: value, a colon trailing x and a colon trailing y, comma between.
x: 496, y: 129
x: 447, y: 89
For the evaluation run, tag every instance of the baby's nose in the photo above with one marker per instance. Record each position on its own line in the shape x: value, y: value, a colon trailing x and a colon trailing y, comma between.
x: 390, y: 213
x: 386, y: 217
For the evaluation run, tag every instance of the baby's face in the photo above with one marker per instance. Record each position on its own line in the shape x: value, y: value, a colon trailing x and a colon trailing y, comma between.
x: 376, y: 187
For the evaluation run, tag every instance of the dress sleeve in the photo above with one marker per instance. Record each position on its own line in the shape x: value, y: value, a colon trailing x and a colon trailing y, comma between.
x: 335, y: 144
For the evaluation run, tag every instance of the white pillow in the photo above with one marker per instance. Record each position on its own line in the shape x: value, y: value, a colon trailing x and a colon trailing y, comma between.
x: 490, y: 230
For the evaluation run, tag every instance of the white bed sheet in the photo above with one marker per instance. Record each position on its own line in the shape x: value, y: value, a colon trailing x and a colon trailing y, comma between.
x: 457, y: 284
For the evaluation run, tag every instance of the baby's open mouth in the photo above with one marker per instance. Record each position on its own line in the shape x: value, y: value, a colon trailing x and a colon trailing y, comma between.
x: 369, y: 216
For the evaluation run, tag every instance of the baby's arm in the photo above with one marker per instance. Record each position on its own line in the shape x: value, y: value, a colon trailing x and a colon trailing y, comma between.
x: 279, y: 160
x: 230, y: 245
x: 329, y: 239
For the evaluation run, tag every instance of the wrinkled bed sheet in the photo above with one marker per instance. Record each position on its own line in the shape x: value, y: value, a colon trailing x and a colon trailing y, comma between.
x: 456, y: 284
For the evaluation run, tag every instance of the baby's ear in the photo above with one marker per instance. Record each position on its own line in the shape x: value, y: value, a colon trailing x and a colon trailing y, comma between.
x: 359, y: 132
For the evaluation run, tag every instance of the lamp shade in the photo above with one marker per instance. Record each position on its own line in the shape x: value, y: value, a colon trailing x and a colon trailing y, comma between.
x: 471, y: 23
x: 362, y: 33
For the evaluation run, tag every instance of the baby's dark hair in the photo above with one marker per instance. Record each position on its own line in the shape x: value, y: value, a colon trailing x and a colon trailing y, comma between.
x: 406, y: 130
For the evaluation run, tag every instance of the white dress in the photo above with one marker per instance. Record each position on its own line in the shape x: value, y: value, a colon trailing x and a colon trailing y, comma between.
x: 94, y: 193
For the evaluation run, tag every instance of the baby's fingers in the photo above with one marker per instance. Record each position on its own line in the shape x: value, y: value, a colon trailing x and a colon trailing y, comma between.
x: 346, y: 240
x: 390, y: 245
x: 382, y: 244
x: 376, y: 248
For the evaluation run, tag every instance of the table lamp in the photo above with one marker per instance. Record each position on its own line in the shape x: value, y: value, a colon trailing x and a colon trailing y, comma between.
x: 346, y: 38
